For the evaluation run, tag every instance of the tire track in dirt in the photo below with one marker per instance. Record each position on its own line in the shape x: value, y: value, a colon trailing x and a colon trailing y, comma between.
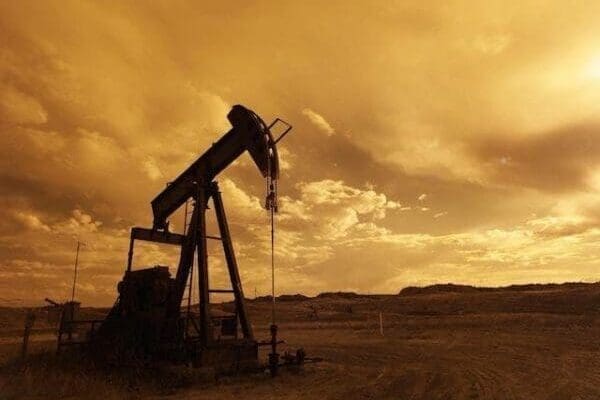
x: 487, y: 383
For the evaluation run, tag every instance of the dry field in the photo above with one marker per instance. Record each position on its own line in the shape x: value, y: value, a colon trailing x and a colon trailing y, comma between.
x: 522, y: 343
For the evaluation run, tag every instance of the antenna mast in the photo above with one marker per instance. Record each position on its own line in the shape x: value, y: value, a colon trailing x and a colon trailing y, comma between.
x: 75, y: 273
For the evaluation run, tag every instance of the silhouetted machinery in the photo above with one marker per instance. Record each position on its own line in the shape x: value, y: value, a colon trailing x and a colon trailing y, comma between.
x: 147, y: 322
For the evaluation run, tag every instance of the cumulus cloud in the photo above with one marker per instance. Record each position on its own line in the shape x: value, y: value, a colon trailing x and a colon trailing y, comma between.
x: 78, y: 224
x: 319, y: 121
x: 332, y: 209
x: 151, y: 169
x: 30, y: 221
x: 286, y: 158
x: 20, y: 108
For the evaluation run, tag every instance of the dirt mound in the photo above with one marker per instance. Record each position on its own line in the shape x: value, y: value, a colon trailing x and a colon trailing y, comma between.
x: 283, y: 297
x: 440, y: 288
x: 340, y: 295
x: 292, y: 297
x: 455, y: 288
x: 549, y: 286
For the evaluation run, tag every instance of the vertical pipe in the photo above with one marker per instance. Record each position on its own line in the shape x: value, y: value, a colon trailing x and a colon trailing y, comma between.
x: 272, y: 265
x: 29, y: 320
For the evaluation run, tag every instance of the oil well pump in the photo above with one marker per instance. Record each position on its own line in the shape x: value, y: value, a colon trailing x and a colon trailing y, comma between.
x: 147, y: 322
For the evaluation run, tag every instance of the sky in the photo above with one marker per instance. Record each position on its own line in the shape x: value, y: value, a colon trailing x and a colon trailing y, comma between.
x: 433, y: 142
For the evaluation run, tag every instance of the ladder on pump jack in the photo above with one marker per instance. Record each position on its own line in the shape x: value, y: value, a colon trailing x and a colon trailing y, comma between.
x: 189, y: 288
x: 188, y: 300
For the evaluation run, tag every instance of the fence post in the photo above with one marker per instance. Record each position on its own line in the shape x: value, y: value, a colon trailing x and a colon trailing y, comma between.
x: 29, y: 320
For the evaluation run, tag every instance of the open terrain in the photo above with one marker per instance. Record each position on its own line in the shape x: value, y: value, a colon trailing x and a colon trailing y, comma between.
x: 442, y: 342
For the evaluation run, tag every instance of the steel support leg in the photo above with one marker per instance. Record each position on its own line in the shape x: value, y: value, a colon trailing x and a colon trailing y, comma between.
x: 234, y: 275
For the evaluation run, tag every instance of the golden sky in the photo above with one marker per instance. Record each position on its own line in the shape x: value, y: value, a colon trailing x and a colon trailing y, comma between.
x: 443, y: 142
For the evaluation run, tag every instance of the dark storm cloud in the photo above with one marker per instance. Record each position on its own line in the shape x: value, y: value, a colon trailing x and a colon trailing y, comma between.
x: 557, y: 161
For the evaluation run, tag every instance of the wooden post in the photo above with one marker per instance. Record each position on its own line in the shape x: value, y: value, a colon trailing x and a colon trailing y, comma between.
x: 29, y: 320
x: 381, y: 323
x: 75, y: 273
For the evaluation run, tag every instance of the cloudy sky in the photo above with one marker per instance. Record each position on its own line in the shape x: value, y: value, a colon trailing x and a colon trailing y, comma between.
x: 449, y: 142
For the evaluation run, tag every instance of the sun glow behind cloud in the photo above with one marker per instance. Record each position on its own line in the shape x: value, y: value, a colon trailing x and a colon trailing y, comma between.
x: 592, y: 68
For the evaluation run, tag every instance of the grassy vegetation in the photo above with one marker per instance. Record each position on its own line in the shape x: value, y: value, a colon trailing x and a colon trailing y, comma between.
x: 46, y: 375
x: 530, y: 345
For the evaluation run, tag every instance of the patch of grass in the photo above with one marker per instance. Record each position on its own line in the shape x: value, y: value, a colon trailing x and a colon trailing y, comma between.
x: 47, y: 376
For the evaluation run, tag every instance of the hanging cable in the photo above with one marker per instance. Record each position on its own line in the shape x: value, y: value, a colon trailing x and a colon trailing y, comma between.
x: 271, y: 205
x: 272, y: 258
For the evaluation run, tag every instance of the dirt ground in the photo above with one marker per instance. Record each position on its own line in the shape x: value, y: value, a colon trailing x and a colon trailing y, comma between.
x: 528, y: 344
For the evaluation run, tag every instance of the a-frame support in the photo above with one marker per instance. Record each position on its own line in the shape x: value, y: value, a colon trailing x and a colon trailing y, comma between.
x: 195, y: 243
x: 234, y: 275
